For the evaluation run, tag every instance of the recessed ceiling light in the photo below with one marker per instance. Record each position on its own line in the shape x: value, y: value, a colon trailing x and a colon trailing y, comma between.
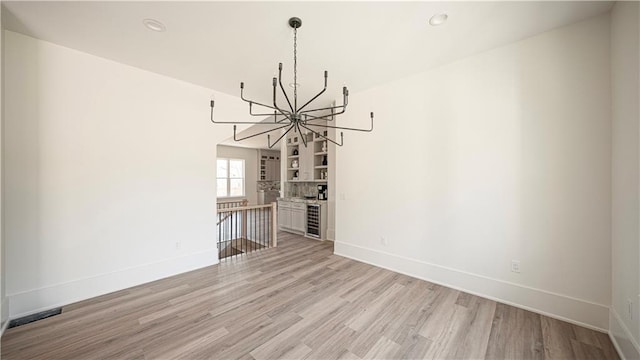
x: 438, y: 19
x: 154, y: 25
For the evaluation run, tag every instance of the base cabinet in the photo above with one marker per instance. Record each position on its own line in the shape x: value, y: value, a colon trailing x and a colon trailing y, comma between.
x: 292, y: 216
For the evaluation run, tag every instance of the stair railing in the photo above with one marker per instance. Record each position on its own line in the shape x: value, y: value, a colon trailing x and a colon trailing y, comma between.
x: 244, y: 229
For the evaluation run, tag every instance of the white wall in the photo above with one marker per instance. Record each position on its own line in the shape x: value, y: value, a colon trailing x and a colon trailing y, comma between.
x: 502, y: 156
x: 625, y: 95
x: 109, y: 174
x: 250, y: 157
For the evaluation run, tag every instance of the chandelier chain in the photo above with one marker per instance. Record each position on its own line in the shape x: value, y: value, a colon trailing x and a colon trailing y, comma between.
x: 295, y: 68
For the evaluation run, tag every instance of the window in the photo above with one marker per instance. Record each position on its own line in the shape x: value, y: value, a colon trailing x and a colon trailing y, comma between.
x: 230, y: 177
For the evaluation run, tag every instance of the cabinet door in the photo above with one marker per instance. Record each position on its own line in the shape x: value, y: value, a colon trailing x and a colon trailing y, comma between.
x: 276, y: 170
x: 298, y: 221
x: 273, y: 170
x: 284, y: 217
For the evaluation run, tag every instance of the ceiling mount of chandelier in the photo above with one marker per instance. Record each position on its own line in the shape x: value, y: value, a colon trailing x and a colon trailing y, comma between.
x: 291, y: 116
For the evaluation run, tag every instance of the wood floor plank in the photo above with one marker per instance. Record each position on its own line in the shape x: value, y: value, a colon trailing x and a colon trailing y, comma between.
x: 311, y: 318
x: 515, y: 334
x: 473, y: 338
x: 557, y: 336
x: 383, y: 349
x: 606, y: 345
x: 369, y: 313
x: 333, y: 344
x: 586, y: 351
x: 298, y: 301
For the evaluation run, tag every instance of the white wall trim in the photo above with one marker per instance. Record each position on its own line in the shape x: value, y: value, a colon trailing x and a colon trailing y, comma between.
x: 576, y: 311
x: 623, y: 341
x: 5, y: 324
x: 33, y: 301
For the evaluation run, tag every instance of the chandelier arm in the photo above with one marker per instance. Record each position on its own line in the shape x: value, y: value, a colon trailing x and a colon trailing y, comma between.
x: 253, y: 102
x: 320, y: 119
x: 345, y: 102
x: 282, y: 87
x: 275, y: 117
x: 303, y: 136
x: 269, y: 114
x: 233, y: 122
x: 283, y: 112
x: 326, y: 75
x: 281, y: 136
x: 331, y: 117
x: 342, y: 107
x: 276, y: 121
x: 347, y: 128
x: 254, y: 135
x: 326, y: 138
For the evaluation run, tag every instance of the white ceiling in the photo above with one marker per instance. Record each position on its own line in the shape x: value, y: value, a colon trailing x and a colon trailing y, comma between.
x: 218, y: 44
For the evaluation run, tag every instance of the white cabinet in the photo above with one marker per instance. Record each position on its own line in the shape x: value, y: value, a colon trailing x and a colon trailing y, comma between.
x: 292, y: 216
x: 268, y: 165
x: 284, y: 216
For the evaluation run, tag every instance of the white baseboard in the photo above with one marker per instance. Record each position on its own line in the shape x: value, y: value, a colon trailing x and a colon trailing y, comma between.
x: 627, y: 347
x: 562, y: 307
x: 33, y: 301
x: 4, y: 324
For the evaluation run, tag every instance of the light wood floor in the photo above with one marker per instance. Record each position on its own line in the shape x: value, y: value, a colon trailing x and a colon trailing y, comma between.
x: 298, y: 301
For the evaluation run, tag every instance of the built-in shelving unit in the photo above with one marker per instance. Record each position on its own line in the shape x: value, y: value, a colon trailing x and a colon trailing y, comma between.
x: 297, y: 158
x: 320, y: 158
x: 310, y: 163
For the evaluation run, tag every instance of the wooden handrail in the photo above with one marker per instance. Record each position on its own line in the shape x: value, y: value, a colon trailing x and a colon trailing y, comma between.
x: 246, y: 208
x: 223, y: 219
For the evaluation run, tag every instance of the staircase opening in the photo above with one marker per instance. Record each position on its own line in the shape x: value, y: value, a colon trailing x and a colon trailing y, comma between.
x: 242, y: 229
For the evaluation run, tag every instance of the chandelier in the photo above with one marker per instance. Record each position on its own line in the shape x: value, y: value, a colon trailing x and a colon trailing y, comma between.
x: 291, y: 116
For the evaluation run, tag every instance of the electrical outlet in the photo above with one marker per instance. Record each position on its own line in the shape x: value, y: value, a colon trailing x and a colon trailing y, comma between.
x: 630, y: 308
x: 178, y: 244
x: 384, y: 241
x: 515, y: 266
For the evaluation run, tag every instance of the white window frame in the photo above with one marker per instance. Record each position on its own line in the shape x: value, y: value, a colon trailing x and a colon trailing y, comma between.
x: 228, y: 178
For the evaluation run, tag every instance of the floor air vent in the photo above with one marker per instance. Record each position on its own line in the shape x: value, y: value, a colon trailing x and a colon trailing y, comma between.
x: 34, y: 317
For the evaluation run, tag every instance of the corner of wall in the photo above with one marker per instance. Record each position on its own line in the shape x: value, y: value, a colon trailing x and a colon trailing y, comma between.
x: 4, y: 303
x: 4, y: 308
x: 621, y: 337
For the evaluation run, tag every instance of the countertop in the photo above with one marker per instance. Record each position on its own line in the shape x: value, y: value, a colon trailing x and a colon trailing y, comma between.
x: 303, y: 200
